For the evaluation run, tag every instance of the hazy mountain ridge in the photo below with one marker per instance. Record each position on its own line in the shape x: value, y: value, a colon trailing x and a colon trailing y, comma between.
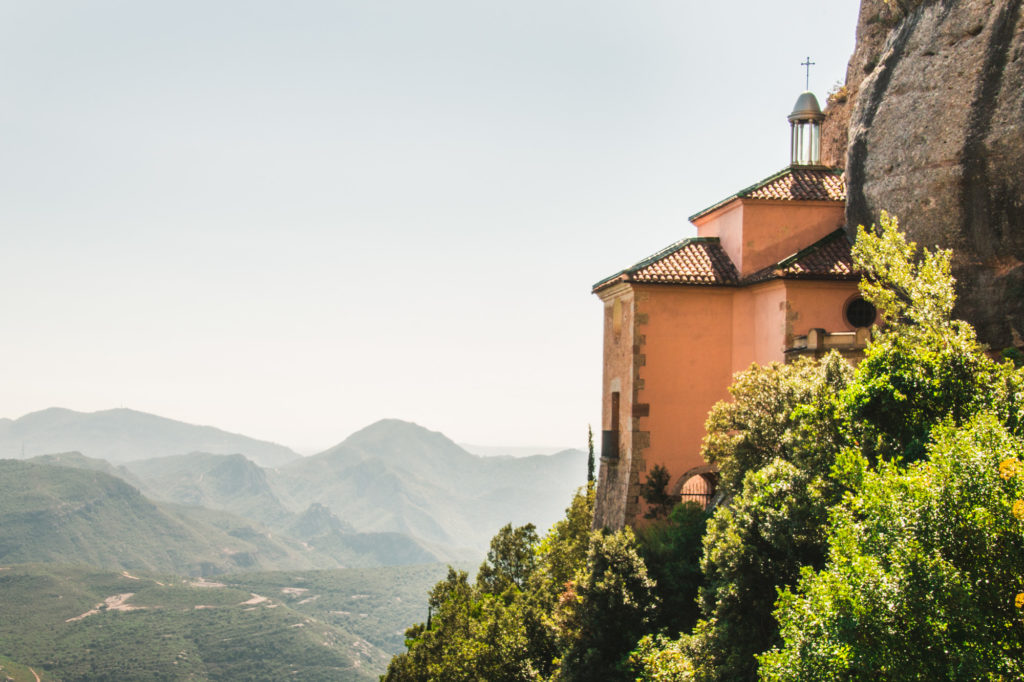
x: 509, y: 450
x: 59, y: 514
x: 390, y: 496
x: 187, y: 487
x: 226, y: 482
x: 76, y: 460
x: 123, y: 435
x: 391, y: 478
x: 398, y: 476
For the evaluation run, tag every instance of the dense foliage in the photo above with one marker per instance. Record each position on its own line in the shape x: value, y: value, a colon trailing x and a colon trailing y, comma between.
x: 871, y: 498
x: 871, y: 527
x: 671, y: 550
x: 568, y: 607
x: 64, y: 623
x: 923, y: 569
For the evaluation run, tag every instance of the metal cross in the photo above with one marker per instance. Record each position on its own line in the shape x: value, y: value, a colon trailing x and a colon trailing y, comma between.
x: 808, y: 64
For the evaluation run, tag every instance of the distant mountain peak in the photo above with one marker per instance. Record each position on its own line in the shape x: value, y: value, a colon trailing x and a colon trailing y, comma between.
x: 317, y: 520
x: 394, y: 438
x: 392, y: 424
x: 122, y: 434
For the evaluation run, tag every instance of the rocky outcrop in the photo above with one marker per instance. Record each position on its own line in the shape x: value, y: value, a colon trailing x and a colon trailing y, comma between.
x: 935, y: 98
x: 877, y: 18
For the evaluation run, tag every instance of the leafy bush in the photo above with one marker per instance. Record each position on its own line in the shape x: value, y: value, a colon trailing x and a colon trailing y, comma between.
x: 924, y: 566
x: 879, y: 594
x: 671, y: 550
x: 502, y: 627
x: 659, y: 659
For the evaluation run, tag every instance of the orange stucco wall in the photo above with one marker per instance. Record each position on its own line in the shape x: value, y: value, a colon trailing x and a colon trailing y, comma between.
x: 768, y: 316
x: 685, y: 364
x: 672, y: 356
x: 818, y: 304
x: 759, y: 233
x: 727, y: 224
x: 759, y: 324
x: 671, y: 350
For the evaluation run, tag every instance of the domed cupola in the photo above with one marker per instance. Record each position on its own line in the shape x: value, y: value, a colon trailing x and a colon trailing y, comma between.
x: 805, y: 131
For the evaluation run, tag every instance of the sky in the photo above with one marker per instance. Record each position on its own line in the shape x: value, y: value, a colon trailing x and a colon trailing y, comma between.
x: 292, y: 219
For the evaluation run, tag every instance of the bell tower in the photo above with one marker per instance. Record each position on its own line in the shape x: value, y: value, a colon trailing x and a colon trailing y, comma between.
x: 805, y: 131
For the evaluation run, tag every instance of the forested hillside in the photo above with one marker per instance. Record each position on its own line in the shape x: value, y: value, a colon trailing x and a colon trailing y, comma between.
x: 79, y: 623
x: 871, y: 528
x: 67, y: 515
x: 403, y: 493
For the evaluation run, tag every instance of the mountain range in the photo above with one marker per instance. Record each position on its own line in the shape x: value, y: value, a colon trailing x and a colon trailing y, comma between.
x: 397, y: 476
x: 123, y: 435
x: 58, y: 514
x: 393, y: 492
x: 114, y: 524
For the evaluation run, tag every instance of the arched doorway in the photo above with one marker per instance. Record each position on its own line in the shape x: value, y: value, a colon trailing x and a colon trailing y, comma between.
x: 699, y: 485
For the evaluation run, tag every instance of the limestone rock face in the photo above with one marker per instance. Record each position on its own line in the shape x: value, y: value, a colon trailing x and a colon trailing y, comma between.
x: 935, y: 92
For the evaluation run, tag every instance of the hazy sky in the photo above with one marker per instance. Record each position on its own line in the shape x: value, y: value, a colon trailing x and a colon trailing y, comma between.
x: 291, y: 219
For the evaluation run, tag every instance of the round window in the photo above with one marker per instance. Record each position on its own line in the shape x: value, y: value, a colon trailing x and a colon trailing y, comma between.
x: 860, y: 313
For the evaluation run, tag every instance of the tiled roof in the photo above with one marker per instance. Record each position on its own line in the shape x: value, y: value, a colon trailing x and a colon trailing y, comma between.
x: 702, y: 261
x: 828, y: 258
x: 791, y: 184
x: 699, y: 260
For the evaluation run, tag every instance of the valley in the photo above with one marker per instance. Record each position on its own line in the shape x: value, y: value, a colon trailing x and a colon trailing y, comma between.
x: 208, y: 565
x: 75, y: 622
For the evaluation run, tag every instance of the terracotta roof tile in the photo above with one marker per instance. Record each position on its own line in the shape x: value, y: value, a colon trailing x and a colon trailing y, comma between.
x: 828, y: 258
x: 801, y: 184
x: 694, y: 262
x: 691, y: 261
x: 791, y: 184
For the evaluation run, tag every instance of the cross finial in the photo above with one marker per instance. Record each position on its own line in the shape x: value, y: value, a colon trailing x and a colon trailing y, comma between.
x: 808, y: 64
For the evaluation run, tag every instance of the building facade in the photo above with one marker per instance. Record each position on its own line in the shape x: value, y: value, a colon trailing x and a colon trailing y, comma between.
x: 768, y: 277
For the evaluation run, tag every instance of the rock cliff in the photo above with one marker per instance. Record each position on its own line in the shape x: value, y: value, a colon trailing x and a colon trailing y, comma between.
x: 933, y: 114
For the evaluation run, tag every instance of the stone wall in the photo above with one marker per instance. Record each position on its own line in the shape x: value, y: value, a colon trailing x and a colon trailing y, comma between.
x: 935, y: 98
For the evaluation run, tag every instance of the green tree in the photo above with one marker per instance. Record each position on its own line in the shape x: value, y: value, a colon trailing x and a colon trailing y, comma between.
x: 605, y: 611
x: 510, y: 560
x: 923, y: 567
x: 753, y: 547
x: 655, y: 493
x: 563, y: 551
x: 910, y: 587
x: 443, y: 648
x: 762, y: 422
x: 473, y: 635
x: 923, y: 366
x: 500, y: 628
x: 657, y: 658
x: 772, y: 525
x: 671, y: 549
